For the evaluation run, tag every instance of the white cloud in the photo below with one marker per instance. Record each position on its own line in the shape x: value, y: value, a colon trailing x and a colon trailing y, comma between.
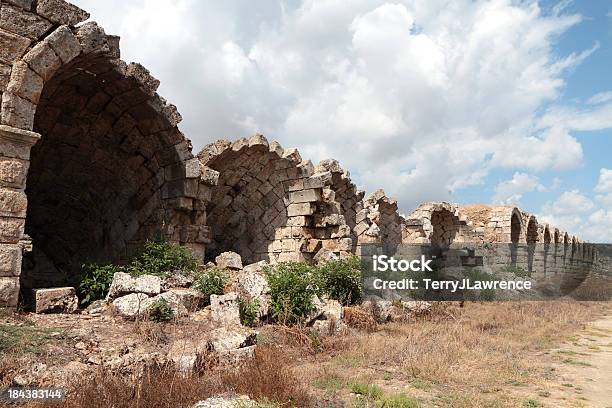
x: 600, y: 97
x: 604, y: 185
x: 421, y: 98
x: 511, y: 191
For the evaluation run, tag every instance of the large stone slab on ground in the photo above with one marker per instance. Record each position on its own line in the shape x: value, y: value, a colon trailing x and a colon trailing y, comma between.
x: 124, y: 283
x: 132, y: 305
x: 229, y: 260
x: 55, y: 300
x: 225, y: 309
x: 182, y: 301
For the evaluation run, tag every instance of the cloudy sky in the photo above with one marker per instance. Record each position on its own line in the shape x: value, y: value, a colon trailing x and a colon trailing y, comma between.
x: 458, y: 100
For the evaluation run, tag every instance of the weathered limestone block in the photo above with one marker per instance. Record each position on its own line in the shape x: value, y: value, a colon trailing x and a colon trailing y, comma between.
x: 25, y: 82
x: 124, y: 283
x: 326, y: 309
x: 143, y: 77
x: 9, y: 291
x: 55, y: 300
x: 11, y: 229
x: 305, y: 196
x: 182, y: 301
x: 43, y: 60
x: 209, y: 176
x: 17, y: 112
x: 24, y: 4
x: 64, y: 43
x: 229, y: 260
x: 132, y: 305
x: 225, y: 309
x: 10, y: 260
x: 13, y: 172
x: 253, y: 282
x: 12, y: 46
x: 224, y: 339
x: 61, y: 12
x: 13, y: 203
x: 24, y: 23
x: 93, y: 38
x: 300, y: 209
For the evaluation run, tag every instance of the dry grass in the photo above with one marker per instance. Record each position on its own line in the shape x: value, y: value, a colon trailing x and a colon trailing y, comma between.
x: 266, y: 378
x: 469, y: 354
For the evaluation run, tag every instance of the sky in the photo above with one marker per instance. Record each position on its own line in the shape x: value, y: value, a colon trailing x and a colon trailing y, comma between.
x: 505, y: 102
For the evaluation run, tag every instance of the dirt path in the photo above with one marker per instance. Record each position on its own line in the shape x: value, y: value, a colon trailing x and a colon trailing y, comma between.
x: 584, y: 368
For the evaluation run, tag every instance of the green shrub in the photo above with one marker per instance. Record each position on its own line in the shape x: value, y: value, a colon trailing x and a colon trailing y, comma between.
x: 95, y: 280
x: 367, y: 390
x: 161, y: 258
x: 397, y: 401
x: 211, y: 282
x: 249, y: 312
x: 340, y: 280
x: 291, y: 291
x: 160, y: 311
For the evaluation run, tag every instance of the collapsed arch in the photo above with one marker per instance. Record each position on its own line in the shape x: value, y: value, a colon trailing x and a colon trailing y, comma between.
x: 269, y: 204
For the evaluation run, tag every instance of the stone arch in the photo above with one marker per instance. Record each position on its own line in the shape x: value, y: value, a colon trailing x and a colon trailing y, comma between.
x: 442, y: 223
x: 268, y: 203
x: 515, y: 227
x: 105, y: 164
x: 531, y: 234
x: 556, y: 236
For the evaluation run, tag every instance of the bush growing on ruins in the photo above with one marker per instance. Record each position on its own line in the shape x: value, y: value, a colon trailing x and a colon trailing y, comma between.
x: 211, y: 282
x: 95, y: 280
x: 249, y: 312
x: 292, y: 290
x: 161, y: 258
x: 160, y: 311
x: 340, y: 280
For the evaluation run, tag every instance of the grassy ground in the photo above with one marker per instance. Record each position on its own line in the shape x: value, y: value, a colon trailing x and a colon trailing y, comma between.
x: 481, y: 355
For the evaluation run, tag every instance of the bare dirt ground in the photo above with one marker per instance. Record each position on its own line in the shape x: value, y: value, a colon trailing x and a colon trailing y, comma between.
x: 498, y: 354
x: 585, y: 367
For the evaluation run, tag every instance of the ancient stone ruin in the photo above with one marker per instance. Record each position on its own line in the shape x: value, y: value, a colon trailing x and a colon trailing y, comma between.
x: 92, y: 164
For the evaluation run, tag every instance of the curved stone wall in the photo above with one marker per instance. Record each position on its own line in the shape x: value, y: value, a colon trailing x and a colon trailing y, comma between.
x: 269, y: 204
x: 100, y: 152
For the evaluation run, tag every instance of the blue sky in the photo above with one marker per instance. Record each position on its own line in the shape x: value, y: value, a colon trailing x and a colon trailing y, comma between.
x: 465, y: 101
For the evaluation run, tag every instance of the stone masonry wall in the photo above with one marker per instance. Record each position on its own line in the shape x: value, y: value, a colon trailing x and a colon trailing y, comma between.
x: 100, y: 153
x: 92, y: 163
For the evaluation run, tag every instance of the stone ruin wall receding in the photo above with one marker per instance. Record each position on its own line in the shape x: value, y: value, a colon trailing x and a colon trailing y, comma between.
x: 92, y: 164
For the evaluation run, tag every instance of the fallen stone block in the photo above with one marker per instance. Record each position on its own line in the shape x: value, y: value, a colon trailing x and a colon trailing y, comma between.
x: 225, y: 309
x: 124, y: 284
x: 182, y: 301
x: 55, y: 300
x: 229, y: 260
x: 132, y: 305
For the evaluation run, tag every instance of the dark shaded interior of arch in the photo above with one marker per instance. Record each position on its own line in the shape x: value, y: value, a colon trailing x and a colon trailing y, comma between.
x: 94, y: 176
